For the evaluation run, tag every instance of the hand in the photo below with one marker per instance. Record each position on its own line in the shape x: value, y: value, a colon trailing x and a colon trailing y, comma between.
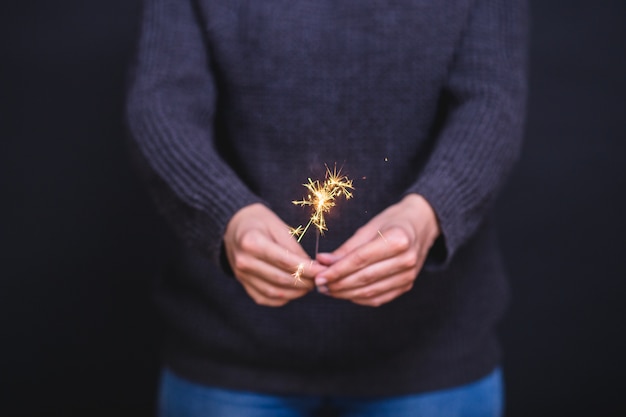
x: 382, y: 259
x: 265, y: 257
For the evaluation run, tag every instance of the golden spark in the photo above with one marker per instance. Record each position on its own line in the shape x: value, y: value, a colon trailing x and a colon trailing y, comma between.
x: 297, y: 276
x: 321, y: 198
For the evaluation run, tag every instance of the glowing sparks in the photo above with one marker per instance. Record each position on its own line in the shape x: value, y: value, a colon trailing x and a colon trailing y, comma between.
x: 297, y: 276
x: 321, y: 198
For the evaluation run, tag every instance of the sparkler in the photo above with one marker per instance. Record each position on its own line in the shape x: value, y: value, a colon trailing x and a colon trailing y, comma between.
x: 321, y: 198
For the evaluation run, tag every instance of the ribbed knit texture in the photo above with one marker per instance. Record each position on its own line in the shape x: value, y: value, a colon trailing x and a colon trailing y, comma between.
x: 236, y: 102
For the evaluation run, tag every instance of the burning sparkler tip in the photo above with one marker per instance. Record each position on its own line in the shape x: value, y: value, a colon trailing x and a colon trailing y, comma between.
x: 322, y: 198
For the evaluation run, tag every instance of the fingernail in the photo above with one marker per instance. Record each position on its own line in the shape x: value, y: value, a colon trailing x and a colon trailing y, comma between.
x: 320, y: 281
x: 323, y: 289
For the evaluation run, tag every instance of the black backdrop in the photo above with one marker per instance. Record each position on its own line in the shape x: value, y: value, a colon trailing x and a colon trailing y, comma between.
x: 79, y: 241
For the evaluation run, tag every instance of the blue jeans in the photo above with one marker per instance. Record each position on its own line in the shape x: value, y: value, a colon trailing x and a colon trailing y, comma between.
x: 181, y: 398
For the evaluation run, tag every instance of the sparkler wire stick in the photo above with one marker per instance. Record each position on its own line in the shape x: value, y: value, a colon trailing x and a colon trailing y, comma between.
x: 317, y: 242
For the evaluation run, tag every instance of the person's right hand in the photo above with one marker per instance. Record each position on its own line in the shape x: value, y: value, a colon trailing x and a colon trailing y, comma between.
x: 264, y: 257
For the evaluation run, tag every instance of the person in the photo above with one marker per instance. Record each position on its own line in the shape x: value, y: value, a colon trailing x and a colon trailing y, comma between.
x: 233, y: 105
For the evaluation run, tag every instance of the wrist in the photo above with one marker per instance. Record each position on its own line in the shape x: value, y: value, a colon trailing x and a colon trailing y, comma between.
x: 425, y: 213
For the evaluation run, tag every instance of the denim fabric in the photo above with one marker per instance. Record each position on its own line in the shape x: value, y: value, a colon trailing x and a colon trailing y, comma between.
x: 181, y: 398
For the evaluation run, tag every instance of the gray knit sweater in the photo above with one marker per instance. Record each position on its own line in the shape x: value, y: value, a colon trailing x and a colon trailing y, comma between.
x: 233, y: 102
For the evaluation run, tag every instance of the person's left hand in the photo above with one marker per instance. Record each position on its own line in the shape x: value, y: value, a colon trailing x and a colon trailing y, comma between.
x: 382, y: 259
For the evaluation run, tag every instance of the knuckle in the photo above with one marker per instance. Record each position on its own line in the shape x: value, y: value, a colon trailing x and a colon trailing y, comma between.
x: 408, y: 287
x: 369, y: 293
x: 366, y: 277
x: 257, y: 298
x: 376, y: 302
x: 360, y: 259
x: 248, y: 242
x: 399, y: 240
x: 272, y: 293
x: 241, y: 263
x: 409, y: 261
x: 407, y: 280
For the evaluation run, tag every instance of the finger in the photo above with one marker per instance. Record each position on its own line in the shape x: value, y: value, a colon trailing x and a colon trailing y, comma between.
x: 295, y: 258
x: 406, y: 262
x: 311, y: 269
x: 286, y: 240
x: 269, y: 258
x: 264, y: 295
x: 277, y: 285
x: 247, y: 265
x: 398, y: 283
x: 374, y: 251
x: 382, y: 298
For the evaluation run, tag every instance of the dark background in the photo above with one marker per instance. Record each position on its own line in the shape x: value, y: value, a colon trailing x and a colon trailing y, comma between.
x: 79, y: 241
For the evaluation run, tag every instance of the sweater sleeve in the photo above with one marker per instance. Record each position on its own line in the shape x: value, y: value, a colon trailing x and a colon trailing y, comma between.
x: 170, y: 114
x: 481, y: 137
